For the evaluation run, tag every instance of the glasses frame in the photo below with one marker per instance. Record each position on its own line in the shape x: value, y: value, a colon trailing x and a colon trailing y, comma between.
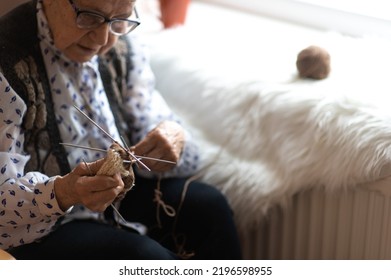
x: 136, y: 22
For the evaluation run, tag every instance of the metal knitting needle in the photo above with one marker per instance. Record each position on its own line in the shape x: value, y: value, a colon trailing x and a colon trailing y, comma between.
x: 157, y: 159
x: 126, y: 145
x: 112, y: 205
x: 89, y: 148
x: 83, y: 147
x: 104, y: 151
x: 118, y: 213
x: 108, y: 135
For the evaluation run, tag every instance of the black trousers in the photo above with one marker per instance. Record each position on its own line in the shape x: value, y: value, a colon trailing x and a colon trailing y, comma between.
x: 202, y: 228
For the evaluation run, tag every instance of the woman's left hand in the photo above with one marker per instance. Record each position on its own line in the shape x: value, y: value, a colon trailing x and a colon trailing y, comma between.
x: 164, y: 142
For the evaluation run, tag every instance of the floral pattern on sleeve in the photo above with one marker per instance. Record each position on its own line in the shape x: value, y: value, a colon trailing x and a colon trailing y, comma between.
x: 28, y: 208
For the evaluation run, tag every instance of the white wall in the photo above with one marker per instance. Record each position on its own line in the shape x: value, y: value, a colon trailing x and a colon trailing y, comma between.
x: 314, y: 16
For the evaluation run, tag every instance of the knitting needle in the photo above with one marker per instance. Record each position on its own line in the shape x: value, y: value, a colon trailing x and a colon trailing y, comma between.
x: 89, y: 148
x: 126, y: 145
x: 112, y: 205
x: 104, y: 151
x: 108, y: 135
x: 118, y: 213
x: 83, y: 147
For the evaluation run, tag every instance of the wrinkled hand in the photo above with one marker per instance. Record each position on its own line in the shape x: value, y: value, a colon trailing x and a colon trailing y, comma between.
x: 165, y: 142
x: 81, y: 185
x: 114, y: 163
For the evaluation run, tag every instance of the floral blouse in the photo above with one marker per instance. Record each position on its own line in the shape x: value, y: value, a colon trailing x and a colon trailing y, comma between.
x: 28, y: 206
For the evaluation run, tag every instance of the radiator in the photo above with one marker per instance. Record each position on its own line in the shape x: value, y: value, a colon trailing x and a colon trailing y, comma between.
x: 319, y: 225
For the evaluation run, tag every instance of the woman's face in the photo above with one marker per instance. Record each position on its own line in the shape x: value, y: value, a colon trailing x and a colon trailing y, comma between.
x: 80, y: 45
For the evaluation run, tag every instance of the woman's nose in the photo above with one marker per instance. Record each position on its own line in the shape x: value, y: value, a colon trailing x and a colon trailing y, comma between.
x: 101, y: 34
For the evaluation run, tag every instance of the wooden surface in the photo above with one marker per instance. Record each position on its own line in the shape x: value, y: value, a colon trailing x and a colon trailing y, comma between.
x: 5, y: 256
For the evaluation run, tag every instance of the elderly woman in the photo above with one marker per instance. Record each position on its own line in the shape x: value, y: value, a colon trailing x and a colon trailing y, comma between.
x: 72, y: 85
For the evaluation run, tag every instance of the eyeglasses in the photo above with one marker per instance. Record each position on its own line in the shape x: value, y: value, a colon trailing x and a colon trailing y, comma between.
x: 91, y: 20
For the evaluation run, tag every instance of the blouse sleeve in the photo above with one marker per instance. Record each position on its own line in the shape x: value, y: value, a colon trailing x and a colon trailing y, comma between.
x: 28, y: 207
x: 147, y: 108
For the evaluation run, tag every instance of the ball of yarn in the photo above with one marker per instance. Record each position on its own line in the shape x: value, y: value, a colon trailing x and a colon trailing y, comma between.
x: 313, y: 62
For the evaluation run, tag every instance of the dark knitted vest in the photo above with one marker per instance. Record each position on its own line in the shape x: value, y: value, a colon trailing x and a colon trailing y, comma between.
x: 22, y: 64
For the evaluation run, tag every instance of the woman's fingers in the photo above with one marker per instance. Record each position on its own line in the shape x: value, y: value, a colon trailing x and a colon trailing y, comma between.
x: 165, y: 142
x: 81, y: 185
x: 98, y: 192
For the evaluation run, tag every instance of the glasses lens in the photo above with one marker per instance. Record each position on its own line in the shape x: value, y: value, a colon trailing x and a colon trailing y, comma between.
x: 121, y: 27
x: 89, y: 20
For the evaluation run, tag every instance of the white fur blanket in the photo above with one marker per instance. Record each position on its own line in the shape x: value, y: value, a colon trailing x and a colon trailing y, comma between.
x: 264, y: 140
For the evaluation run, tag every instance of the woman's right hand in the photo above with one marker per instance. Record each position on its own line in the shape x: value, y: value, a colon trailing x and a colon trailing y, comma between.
x: 83, y: 186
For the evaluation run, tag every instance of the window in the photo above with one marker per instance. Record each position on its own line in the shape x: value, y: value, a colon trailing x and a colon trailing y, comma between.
x: 352, y: 17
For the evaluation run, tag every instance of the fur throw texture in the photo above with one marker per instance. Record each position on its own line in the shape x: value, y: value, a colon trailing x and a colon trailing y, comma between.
x: 265, y: 141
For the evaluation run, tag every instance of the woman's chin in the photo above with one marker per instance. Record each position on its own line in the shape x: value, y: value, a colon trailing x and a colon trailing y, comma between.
x: 81, y: 55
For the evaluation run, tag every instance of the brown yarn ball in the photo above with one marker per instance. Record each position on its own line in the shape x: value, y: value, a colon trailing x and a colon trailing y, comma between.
x: 313, y: 62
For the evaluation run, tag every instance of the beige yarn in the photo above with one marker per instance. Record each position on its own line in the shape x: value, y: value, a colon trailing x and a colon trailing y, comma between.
x: 313, y: 62
x: 114, y: 163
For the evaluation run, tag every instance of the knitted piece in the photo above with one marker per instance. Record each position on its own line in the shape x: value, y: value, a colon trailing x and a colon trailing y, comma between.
x: 114, y: 163
x: 41, y: 113
x: 27, y: 72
